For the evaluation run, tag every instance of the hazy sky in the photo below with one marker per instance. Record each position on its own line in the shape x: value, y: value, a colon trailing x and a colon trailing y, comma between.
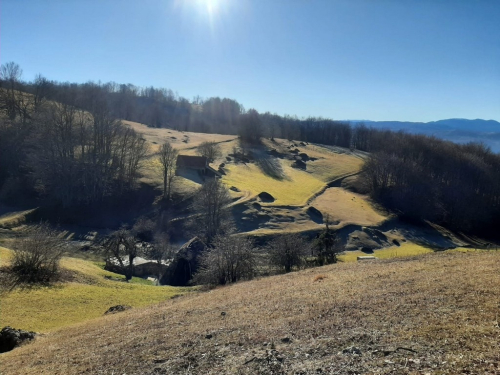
x: 402, y: 60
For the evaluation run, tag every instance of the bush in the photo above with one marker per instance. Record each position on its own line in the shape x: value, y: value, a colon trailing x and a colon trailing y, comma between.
x: 231, y: 259
x: 36, y: 257
x: 288, y: 251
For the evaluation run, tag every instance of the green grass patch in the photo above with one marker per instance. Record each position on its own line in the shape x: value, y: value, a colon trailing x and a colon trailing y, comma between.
x: 47, y: 308
x: 294, y: 189
x: 405, y: 250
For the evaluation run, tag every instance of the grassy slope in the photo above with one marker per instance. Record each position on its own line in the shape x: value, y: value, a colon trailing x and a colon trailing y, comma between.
x: 295, y: 189
x: 43, y: 309
x: 13, y: 219
x: 347, y: 207
x: 442, y: 307
x: 405, y: 250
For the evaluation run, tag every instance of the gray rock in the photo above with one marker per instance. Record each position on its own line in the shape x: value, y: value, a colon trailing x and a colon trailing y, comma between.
x: 116, y: 309
x: 11, y: 338
x: 352, y: 350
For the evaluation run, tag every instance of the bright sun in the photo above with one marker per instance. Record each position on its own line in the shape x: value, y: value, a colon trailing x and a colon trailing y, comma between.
x: 209, y: 6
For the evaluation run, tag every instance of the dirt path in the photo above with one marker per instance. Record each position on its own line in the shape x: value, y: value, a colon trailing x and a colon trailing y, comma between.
x: 338, y: 180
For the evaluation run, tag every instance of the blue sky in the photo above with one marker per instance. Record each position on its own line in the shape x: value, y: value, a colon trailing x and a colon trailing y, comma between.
x: 404, y: 60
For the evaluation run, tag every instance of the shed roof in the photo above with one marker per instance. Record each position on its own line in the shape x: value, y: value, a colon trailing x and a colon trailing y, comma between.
x: 191, y: 161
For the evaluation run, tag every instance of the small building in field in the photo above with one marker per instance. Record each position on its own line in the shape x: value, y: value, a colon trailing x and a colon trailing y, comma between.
x: 142, y: 267
x: 195, y: 163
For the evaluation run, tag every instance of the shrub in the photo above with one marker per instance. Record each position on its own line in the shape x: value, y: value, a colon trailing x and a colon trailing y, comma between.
x: 288, y: 251
x: 231, y: 259
x: 36, y: 257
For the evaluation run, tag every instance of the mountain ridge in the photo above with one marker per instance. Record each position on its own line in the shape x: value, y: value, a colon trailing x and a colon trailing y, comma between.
x: 454, y: 129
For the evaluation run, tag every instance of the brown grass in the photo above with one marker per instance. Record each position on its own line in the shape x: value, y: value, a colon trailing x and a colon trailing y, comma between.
x: 346, y: 207
x: 435, y: 313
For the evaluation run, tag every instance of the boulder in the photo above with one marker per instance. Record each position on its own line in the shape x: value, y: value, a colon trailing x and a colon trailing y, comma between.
x: 185, y: 263
x: 117, y: 308
x: 315, y: 214
x: 314, y: 211
x: 11, y: 338
x: 299, y: 164
x: 266, y: 197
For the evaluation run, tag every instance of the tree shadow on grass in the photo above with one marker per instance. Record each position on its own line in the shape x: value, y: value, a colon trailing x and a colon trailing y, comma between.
x: 270, y: 165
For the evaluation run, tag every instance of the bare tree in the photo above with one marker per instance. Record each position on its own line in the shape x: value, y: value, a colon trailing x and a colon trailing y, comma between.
x: 168, y: 159
x: 250, y: 129
x: 212, y: 200
x: 37, y: 256
x: 210, y: 150
x: 231, y: 259
x: 288, y: 251
x: 161, y: 251
x: 121, y: 245
x: 10, y: 76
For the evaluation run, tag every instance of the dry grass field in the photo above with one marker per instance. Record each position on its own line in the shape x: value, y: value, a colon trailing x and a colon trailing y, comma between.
x: 11, y: 219
x: 88, y: 295
x: 407, y: 249
x: 180, y: 140
x: 293, y: 192
x: 430, y: 314
x: 346, y: 207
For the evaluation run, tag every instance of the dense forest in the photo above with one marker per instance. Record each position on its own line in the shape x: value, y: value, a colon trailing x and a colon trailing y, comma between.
x: 63, y: 143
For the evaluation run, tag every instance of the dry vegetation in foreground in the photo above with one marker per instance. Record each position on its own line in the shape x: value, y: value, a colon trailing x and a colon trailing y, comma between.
x: 435, y: 313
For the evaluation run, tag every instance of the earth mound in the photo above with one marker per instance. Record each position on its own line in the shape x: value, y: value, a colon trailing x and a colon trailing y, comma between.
x: 266, y: 197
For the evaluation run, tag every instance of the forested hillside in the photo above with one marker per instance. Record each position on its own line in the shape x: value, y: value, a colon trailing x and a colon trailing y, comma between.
x: 63, y: 145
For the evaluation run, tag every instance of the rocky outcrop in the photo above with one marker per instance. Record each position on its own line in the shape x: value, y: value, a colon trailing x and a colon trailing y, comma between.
x: 11, y: 338
x: 185, y: 263
x: 116, y: 309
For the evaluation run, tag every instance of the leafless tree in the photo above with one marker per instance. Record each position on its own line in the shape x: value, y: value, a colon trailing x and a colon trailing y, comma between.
x: 210, y: 150
x: 212, y: 201
x: 121, y: 245
x: 168, y: 159
x: 250, y: 130
x: 10, y: 76
x: 37, y: 256
x: 161, y: 251
x: 288, y: 251
x: 229, y: 260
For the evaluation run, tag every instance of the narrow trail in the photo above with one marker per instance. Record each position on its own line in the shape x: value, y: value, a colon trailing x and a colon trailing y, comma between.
x: 330, y: 184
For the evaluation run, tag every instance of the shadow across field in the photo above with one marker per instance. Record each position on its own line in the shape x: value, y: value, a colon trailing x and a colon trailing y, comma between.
x: 268, y: 164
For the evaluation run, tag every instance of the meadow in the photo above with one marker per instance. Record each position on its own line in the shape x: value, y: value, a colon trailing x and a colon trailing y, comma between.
x: 432, y: 313
x: 91, y: 291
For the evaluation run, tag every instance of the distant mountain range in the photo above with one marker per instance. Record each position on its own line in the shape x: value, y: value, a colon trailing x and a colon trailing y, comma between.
x: 455, y: 130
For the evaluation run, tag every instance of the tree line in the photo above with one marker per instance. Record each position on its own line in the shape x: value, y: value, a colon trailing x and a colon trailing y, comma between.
x: 421, y: 177
x: 63, y: 140
x: 68, y: 152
